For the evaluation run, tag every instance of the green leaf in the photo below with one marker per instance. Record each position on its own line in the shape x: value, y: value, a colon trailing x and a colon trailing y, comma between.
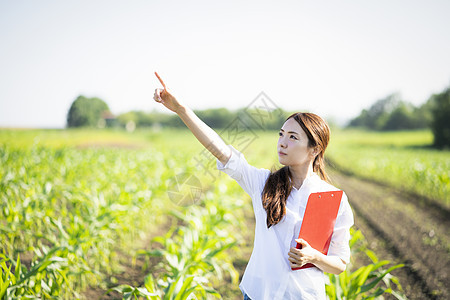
x: 371, y: 255
x: 18, y: 268
x: 122, y: 289
x: 4, y: 283
x: 186, y: 284
x: 145, y: 292
x: 372, y: 284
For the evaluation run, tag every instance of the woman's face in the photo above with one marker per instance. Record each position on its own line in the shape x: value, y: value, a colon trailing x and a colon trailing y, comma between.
x: 293, y: 145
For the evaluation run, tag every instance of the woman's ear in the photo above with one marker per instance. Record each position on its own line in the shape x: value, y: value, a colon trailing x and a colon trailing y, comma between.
x: 315, y: 151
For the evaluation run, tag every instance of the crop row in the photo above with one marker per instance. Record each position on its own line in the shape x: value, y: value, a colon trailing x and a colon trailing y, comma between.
x: 79, y: 205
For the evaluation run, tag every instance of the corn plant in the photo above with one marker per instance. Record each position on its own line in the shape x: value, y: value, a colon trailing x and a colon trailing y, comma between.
x: 192, y: 288
x: 367, y: 282
x: 149, y: 291
x: 192, y: 256
x: 55, y: 199
x: 47, y: 277
x: 186, y: 263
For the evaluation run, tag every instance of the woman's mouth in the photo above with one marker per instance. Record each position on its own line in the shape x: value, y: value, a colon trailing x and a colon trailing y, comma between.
x: 281, y: 153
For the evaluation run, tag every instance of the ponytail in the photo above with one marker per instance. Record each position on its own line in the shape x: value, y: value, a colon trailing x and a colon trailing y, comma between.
x: 319, y: 167
x: 276, y: 191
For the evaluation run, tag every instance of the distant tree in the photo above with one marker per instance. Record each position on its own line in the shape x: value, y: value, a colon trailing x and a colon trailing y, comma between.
x: 86, y: 112
x: 401, y: 118
x: 376, y: 116
x: 391, y: 113
x: 424, y: 114
x: 441, y: 119
x: 262, y: 119
x: 144, y: 119
x: 216, y: 117
x: 124, y: 118
x: 360, y: 121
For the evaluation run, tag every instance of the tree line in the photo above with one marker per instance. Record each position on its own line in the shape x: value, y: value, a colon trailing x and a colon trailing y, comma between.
x: 94, y: 112
x: 393, y: 113
x: 217, y: 118
x: 386, y: 114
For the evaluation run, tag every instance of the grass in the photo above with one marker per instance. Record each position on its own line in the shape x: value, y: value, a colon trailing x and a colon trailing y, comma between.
x: 401, y: 159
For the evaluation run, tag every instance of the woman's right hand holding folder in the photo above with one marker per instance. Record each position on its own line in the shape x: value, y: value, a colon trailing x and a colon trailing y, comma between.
x: 307, y: 254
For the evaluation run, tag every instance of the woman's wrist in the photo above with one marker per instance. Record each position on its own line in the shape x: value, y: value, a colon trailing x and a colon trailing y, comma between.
x: 329, y: 264
x: 317, y: 257
x: 180, y: 109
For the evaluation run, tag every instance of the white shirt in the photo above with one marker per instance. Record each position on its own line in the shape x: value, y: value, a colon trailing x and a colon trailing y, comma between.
x: 268, y: 275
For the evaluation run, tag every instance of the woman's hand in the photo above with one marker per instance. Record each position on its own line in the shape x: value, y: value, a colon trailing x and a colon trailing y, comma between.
x: 165, y: 97
x: 205, y: 135
x: 300, y: 257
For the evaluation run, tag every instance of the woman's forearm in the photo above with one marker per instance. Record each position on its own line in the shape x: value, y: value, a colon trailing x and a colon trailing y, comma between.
x: 329, y: 264
x: 307, y: 254
x: 207, y: 137
x: 205, y: 134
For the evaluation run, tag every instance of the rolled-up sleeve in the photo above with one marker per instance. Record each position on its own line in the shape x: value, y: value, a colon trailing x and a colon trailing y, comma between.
x: 339, y: 245
x: 250, y: 178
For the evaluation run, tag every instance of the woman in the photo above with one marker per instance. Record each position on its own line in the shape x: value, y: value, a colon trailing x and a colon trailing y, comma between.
x: 279, y: 201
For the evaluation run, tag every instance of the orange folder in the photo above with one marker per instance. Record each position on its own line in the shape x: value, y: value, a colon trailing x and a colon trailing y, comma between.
x: 318, y: 221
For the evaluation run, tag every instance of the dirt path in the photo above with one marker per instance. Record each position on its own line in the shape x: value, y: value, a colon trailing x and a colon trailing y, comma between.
x: 404, y: 229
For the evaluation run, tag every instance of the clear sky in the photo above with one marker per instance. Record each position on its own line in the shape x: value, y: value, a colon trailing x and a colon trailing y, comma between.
x: 333, y: 58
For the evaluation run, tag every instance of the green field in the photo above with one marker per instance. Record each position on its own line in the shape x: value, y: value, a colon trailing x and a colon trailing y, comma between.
x: 400, y: 159
x: 79, y: 206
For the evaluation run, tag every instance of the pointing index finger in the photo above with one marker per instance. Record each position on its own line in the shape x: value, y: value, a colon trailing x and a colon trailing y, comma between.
x: 160, y: 80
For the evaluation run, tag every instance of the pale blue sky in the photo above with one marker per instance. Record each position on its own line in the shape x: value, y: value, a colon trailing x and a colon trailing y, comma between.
x: 330, y: 57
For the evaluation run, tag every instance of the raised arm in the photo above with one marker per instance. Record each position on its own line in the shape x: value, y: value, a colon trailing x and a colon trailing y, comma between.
x: 206, y: 136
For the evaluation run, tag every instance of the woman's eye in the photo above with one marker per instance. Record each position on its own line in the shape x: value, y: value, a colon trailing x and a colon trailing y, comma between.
x: 293, y: 136
x: 280, y: 134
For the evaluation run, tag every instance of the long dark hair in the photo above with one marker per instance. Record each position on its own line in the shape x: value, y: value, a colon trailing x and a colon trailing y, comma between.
x: 279, y: 183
